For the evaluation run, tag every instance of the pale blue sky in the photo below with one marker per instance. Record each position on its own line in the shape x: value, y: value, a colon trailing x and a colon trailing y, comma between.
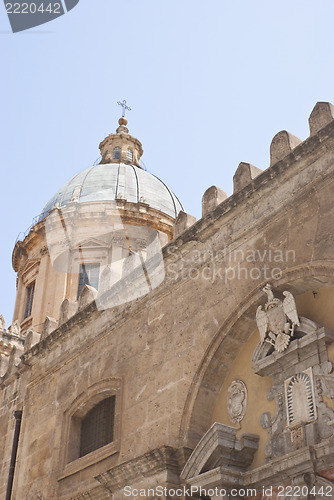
x: 209, y: 83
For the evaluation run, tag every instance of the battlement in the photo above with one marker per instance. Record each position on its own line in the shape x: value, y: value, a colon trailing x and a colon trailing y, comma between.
x: 285, y: 149
x: 203, y: 375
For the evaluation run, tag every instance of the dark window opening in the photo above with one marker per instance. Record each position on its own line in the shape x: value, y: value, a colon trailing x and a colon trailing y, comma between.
x: 88, y: 275
x: 29, y: 300
x: 97, y: 427
x: 117, y: 153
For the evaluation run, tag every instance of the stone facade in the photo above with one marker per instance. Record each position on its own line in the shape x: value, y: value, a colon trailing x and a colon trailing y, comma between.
x: 171, y: 356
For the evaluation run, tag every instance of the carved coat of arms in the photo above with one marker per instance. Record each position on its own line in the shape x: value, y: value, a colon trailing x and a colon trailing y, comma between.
x: 236, y: 401
x: 277, y: 322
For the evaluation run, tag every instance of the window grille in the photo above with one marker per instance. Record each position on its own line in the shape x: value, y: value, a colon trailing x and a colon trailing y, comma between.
x: 117, y: 153
x: 29, y: 300
x: 88, y: 275
x: 97, y: 427
x: 129, y: 155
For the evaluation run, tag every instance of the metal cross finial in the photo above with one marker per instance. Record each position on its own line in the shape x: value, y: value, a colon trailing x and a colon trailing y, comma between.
x: 124, y: 106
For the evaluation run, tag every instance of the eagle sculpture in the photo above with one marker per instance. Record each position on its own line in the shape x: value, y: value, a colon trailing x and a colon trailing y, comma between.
x: 277, y: 322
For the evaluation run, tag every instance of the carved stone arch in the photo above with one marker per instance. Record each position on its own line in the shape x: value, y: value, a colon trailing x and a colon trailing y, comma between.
x: 229, y: 339
x: 220, y: 447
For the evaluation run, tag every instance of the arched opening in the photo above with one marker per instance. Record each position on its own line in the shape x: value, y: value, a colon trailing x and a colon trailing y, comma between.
x: 117, y: 153
x: 232, y: 335
x: 129, y: 154
x: 91, y: 426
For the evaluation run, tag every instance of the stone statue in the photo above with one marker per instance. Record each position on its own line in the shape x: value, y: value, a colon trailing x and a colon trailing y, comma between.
x: 276, y: 323
x: 15, y: 328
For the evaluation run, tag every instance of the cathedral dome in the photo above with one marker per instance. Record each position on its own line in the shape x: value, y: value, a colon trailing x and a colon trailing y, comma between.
x: 111, y: 181
x: 119, y: 176
x: 103, y: 224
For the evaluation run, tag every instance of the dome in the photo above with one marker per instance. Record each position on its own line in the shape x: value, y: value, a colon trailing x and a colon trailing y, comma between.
x: 111, y: 181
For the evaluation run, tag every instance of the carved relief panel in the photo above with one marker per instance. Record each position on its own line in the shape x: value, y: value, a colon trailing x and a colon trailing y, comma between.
x: 301, y: 376
x: 237, y: 401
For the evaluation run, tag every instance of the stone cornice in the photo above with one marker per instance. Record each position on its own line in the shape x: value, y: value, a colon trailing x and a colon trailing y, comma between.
x: 131, y: 213
x: 158, y: 460
x: 278, y: 472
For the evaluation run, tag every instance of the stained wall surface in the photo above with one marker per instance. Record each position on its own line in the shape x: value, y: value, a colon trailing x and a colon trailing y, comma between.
x: 171, y: 354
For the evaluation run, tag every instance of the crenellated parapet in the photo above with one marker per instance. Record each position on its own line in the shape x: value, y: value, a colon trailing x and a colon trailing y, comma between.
x: 212, y: 197
x: 282, y: 145
x: 194, y: 394
x: 183, y: 222
x: 244, y: 174
x: 322, y: 114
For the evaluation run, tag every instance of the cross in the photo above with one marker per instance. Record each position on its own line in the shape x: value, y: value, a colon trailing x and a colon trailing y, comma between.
x: 124, y: 106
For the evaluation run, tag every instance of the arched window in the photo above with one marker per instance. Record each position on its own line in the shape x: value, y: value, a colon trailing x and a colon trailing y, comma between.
x: 91, y: 426
x: 29, y: 300
x: 129, y: 155
x: 117, y: 153
x: 97, y: 427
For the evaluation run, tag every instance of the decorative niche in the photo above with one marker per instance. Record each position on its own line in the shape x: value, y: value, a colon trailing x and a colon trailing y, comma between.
x: 301, y: 376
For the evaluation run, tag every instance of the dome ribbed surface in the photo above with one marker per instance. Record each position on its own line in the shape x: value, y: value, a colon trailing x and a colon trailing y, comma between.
x: 110, y: 181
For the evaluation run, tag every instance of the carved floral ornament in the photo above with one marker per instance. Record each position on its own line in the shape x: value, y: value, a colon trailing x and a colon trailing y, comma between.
x: 277, y: 322
x: 237, y: 401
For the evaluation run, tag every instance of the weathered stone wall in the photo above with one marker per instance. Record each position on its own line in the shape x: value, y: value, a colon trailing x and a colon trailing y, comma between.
x: 173, y: 348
